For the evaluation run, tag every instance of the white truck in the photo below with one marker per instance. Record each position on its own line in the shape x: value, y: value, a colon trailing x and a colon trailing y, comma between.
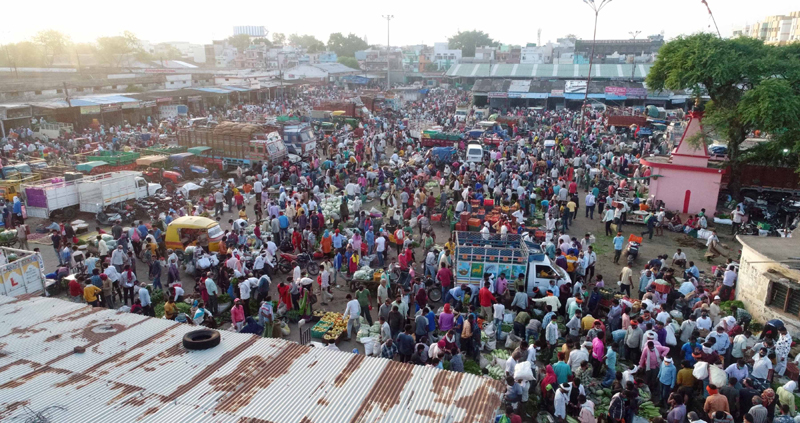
x: 46, y: 199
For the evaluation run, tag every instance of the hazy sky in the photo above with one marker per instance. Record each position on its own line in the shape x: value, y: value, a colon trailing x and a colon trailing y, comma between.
x: 415, y: 21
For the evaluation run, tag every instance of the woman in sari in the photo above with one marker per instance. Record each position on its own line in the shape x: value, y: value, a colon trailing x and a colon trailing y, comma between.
x: 201, y: 287
x: 421, y: 299
x: 549, y: 379
x: 786, y: 395
x: 284, y: 295
x: 326, y: 243
x: 304, y: 303
x: 352, y: 264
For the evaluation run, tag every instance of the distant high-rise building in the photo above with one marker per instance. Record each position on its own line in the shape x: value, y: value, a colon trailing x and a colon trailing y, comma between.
x: 253, y: 31
x: 778, y: 29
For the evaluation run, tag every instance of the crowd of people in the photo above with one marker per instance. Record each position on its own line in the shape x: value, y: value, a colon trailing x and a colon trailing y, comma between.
x: 389, y: 191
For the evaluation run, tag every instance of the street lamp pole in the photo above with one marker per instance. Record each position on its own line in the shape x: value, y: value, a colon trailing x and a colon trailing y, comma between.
x: 633, y: 62
x: 596, y: 8
x: 388, y: 62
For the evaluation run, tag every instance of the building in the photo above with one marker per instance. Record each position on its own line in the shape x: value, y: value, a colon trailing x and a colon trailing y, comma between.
x: 444, y: 57
x: 486, y: 53
x: 253, y: 31
x: 327, y: 57
x: 769, y: 279
x: 608, y: 51
x: 57, y: 354
x: 778, y: 29
x: 683, y: 180
x: 508, y: 54
x: 537, y: 55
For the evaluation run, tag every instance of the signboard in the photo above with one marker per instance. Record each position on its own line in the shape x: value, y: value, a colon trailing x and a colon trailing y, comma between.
x: 90, y: 110
x: 195, y: 98
x: 498, y: 95
x: 556, y: 93
x: 515, y: 95
x: 535, y: 95
x: 111, y: 108
x: 575, y: 87
x: 17, y: 113
x: 164, y: 100
x: 22, y: 276
x: 130, y: 105
x: 148, y: 104
x: 615, y: 91
x: 639, y: 93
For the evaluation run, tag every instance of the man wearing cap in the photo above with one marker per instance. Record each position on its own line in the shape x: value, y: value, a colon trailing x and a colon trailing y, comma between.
x: 714, y: 310
x: 666, y: 377
x: 578, y: 356
x: 722, y: 342
x: 561, y: 400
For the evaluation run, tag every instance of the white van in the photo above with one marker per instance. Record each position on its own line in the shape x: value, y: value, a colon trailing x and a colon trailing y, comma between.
x: 474, y: 153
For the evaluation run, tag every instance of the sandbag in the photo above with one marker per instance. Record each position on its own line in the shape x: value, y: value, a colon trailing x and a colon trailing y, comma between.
x: 285, y: 329
x: 491, y: 344
x: 489, y: 330
x: 483, y: 362
x: 512, y: 342
x: 367, y: 341
x: 700, y: 371
x: 523, y: 371
x: 717, y: 376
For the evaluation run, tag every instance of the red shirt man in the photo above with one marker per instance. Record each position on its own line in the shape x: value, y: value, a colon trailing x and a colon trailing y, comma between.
x: 485, y: 297
x: 75, y: 289
x: 445, y: 276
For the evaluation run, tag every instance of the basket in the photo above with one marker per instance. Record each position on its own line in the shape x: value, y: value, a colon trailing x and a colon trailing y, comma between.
x: 319, y: 330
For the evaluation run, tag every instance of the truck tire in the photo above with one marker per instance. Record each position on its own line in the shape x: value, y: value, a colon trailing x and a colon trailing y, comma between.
x: 201, y: 339
x: 69, y: 213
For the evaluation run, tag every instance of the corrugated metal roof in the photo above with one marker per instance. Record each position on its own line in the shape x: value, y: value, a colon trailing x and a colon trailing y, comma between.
x: 561, y: 71
x: 136, y: 369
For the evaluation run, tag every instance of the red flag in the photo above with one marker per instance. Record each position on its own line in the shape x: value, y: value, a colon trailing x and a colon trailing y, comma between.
x: 707, y: 7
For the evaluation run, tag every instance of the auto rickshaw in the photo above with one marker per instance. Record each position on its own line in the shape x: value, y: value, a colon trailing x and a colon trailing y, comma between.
x: 188, y: 230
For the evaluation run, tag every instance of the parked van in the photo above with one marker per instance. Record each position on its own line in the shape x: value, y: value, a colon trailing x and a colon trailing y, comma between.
x: 474, y: 153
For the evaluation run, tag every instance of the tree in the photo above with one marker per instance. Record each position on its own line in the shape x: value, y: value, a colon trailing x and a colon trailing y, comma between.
x: 346, y: 46
x: 115, y: 50
x: 169, y: 52
x: 308, y: 42
x: 752, y: 86
x: 350, y: 62
x: 467, y: 41
x: 241, y: 42
x: 278, y: 38
x: 264, y: 41
x: 22, y: 54
x: 52, y: 42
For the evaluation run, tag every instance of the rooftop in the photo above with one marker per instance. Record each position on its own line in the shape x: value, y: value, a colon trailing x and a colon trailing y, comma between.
x: 136, y: 369
x: 566, y: 71
x: 778, y: 249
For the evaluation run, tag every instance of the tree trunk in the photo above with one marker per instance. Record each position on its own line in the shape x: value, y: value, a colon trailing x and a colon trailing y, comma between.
x: 736, y: 136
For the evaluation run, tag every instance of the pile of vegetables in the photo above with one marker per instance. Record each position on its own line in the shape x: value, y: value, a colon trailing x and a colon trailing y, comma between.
x: 472, y: 367
x: 506, y: 327
x: 602, y: 400
x: 501, y: 354
x: 496, y: 372
x: 648, y: 410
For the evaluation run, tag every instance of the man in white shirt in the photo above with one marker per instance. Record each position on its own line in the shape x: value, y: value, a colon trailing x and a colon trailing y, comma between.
x: 589, y: 202
x: 144, y: 298
x: 499, y: 312
x: 679, y: 258
x: 257, y: 188
x: 380, y: 249
x: 351, y: 312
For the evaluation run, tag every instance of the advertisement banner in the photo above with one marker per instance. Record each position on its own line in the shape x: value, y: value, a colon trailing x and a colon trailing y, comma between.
x: 639, y: 93
x: 90, y: 110
x: 575, y: 87
x: 164, y: 100
x: 111, y: 107
x: 616, y: 91
x: 130, y: 105
x: 148, y: 104
x: 556, y: 93
x: 498, y: 95
x: 195, y: 98
x: 536, y: 95
x: 515, y: 95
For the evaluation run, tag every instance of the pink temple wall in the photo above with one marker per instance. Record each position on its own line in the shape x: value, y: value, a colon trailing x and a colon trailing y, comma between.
x: 672, y: 186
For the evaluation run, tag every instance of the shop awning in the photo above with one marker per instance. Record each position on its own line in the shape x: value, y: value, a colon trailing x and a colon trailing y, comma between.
x: 89, y: 166
x: 180, y: 156
x: 149, y: 160
x: 198, y: 151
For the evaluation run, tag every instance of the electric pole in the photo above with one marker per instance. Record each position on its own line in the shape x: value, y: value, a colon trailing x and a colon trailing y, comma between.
x: 633, y: 66
x: 388, y: 60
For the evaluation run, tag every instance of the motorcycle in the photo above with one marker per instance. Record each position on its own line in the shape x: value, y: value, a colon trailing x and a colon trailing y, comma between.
x: 287, y: 261
x: 633, y: 251
x: 107, y: 218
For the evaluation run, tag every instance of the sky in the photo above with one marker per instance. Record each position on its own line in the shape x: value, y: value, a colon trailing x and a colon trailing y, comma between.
x: 414, y: 22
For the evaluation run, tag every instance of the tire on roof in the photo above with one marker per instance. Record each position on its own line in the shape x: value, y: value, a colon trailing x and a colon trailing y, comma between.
x: 201, y: 339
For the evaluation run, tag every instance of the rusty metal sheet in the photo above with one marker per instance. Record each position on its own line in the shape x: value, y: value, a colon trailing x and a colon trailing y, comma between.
x: 135, y: 369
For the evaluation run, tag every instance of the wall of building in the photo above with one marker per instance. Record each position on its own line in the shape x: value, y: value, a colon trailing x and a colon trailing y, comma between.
x: 672, y: 186
x: 752, y: 289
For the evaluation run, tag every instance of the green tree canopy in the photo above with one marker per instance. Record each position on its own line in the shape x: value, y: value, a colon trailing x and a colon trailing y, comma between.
x: 241, y: 41
x: 752, y: 86
x: 308, y: 42
x: 114, y: 51
x: 52, y: 43
x: 346, y: 46
x: 467, y: 41
x: 349, y: 62
x: 278, y: 38
x: 22, y: 54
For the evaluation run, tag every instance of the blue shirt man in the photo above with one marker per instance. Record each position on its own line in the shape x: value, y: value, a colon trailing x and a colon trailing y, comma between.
x: 667, y: 373
x: 611, y: 358
x: 283, y: 221
x: 157, y: 235
x: 142, y: 230
x: 338, y: 239
x: 619, y: 241
x: 694, y: 271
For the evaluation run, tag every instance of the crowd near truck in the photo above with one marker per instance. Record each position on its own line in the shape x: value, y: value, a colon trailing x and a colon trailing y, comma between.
x: 478, y: 254
x: 237, y: 144
x: 57, y: 197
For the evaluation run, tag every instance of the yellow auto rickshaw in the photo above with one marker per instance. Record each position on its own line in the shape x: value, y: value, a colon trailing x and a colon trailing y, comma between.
x: 189, y: 230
